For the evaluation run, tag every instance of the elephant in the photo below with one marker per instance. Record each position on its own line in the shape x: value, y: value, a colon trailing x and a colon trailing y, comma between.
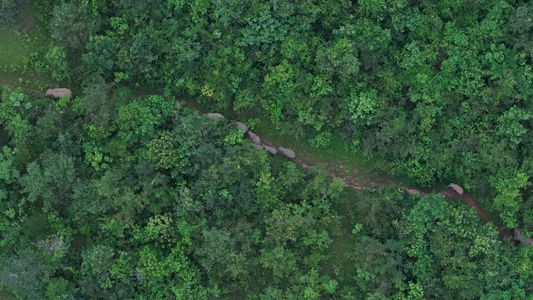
x: 518, y: 237
x: 254, y: 137
x: 271, y: 150
x: 241, y: 125
x: 456, y: 188
x: 287, y: 152
x: 214, y: 116
x: 58, y: 93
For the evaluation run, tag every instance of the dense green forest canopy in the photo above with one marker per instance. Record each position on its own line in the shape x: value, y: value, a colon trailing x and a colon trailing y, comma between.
x: 435, y: 90
x: 112, y: 196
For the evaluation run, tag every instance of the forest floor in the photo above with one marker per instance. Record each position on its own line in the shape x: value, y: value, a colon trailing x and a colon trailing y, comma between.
x: 17, y: 45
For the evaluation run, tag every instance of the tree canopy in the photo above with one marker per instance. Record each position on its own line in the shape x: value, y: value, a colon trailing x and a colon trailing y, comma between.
x: 121, y: 193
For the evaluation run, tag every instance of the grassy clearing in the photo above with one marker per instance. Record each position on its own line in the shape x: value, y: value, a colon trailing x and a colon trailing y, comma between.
x: 12, y: 54
x: 15, y: 50
x: 12, y: 51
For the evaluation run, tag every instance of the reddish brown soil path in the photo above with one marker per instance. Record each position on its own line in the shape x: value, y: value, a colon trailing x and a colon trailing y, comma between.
x: 361, y: 182
x: 353, y: 180
x: 22, y: 88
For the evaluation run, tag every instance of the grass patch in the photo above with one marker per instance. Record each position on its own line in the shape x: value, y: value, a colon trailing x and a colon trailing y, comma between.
x: 15, y: 50
x: 12, y: 51
x: 12, y: 54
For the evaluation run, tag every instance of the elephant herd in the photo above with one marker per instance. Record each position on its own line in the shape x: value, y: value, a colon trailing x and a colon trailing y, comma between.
x: 58, y: 93
x: 256, y: 140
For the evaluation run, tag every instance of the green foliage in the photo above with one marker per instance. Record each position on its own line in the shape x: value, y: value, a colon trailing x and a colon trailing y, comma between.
x: 156, y: 201
x: 457, y: 265
x: 95, y: 267
x: 15, y: 103
x: 510, y: 126
x: 363, y: 107
x: 414, y: 85
x: 71, y: 25
x: 508, y: 183
x: 431, y: 248
x: 101, y: 55
x: 322, y: 140
x: 22, y: 274
x: 57, y: 60
x: 11, y: 12
x: 144, y: 199
x: 49, y: 181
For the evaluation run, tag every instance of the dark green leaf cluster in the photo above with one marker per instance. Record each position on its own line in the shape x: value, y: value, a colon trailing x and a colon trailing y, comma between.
x: 407, y: 248
x: 151, y: 201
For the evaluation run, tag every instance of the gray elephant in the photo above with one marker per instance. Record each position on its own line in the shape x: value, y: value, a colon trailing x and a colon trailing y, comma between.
x: 271, y: 150
x: 518, y: 237
x: 254, y: 137
x: 241, y: 125
x: 456, y: 188
x: 214, y: 116
x: 58, y: 93
x: 287, y: 152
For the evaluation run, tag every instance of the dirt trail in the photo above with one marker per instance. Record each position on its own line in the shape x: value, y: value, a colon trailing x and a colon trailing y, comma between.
x: 354, y: 180
x: 351, y: 175
x: 360, y: 182
x: 22, y: 88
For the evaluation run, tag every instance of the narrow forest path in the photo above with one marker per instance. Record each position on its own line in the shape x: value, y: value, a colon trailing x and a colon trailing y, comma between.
x: 353, y: 178
x: 360, y: 182
x: 22, y: 88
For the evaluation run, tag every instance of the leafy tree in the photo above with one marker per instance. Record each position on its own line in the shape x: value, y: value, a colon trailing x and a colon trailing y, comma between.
x: 72, y: 26
x: 452, y: 269
x: 50, y: 181
x: 101, y: 55
x: 137, y: 192
x: 11, y: 11
x: 22, y: 274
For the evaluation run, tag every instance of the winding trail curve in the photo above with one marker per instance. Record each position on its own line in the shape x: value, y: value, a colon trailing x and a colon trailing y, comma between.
x: 359, y: 182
